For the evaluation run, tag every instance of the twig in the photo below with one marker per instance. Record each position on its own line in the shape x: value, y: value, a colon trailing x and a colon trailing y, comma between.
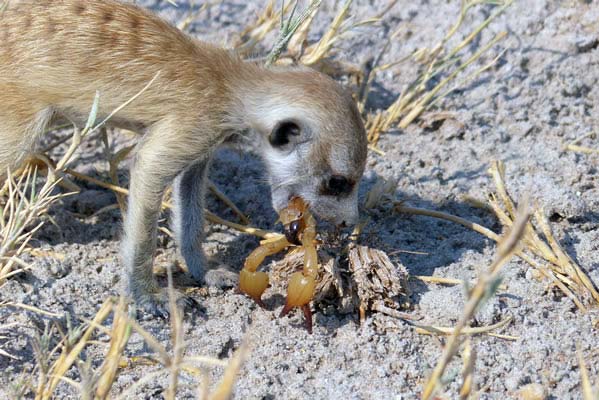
x: 448, y: 217
x: 558, y: 266
x: 441, y: 330
x: 418, y: 96
x: 587, y: 389
x: 382, y: 308
x: 469, y: 357
x: 224, y: 389
x: 439, y: 280
x: 209, y: 215
x: 573, y: 145
x: 31, y: 308
x: 222, y: 197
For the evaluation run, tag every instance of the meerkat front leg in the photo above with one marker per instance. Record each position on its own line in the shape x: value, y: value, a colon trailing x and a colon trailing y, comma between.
x: 188, y: 225
x: 155, y: 166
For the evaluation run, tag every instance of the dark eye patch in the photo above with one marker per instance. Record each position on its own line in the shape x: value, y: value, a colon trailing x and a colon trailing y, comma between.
x: 337, y: 185
x: 283, y: 132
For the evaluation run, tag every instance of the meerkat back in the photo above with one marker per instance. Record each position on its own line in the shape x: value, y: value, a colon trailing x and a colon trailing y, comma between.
x: 55, y: 55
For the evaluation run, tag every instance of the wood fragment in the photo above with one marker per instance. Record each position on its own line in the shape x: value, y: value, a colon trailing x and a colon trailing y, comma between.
x: 376, y: 277
x: 365, y: 280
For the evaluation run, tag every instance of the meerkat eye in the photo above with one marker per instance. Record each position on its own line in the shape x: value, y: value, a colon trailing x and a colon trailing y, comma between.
x: 283, y: 133
x: 337, y: 185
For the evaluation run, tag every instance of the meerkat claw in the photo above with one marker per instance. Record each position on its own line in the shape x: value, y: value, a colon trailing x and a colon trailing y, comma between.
x: 185, y: 302
x: 157, y: 304
x: 154, y: 309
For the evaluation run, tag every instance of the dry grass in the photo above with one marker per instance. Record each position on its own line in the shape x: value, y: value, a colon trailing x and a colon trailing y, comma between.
x: 535, y: 244
x: 20, y: 212
x: 440, y: 63
x: 587, y: 389
x: 577, y: 148
x: 469, y: 362
x: 485, y: 287
x: 54, y: 364
x: 291, y: 45
x: 442, y: 330
x: 193, y: 15
x: 22, y: 203
x: 532, y: 391
x: 289, y: 27
x: 540, y: 248
x: 255, y: 32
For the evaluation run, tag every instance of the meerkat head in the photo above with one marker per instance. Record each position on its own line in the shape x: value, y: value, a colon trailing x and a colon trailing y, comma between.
x: 311, y: 137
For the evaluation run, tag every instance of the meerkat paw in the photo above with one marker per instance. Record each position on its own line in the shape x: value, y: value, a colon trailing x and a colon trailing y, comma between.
x: 158, y: 304
x: 221, y: 275
x: 211, y: 272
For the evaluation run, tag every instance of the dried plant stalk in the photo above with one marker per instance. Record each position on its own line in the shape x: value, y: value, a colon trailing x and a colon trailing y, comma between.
x: 256, y: 32
x: 376, y: 278
x: 224, y: 390
x: 541, y: 244
x: 541, y: 250
x: 365, y: 280
x: 289, y: 27
x: 68, y: 355
x: 119, y: 337
x: 442, y: 330
x: 317, y: 52
x: 469, y: 357
x: 587, y: 388
x: 486, y: 281
x: 113, y: 165
x: 318, y: 55
x: 418, y: 97
x: 104, y: 378
x: 222, y: 197
x: 193, y: 15
x: 23, y: 205
x: 576, y: 147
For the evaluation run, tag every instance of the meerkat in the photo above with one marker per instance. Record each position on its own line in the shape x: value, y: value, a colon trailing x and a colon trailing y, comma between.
x: 55, y: 55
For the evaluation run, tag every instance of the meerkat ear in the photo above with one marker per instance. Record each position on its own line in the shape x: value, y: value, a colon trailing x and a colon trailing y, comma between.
x: 284, y: 133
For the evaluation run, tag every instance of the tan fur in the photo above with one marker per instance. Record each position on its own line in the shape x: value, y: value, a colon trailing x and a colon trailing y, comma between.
x: 55, y: 55
x: 59, y: 53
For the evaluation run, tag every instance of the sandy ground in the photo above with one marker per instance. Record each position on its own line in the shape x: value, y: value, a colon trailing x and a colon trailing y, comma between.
x: 541, y: 94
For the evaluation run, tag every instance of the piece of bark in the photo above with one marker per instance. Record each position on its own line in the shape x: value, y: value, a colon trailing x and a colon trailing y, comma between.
x: 360, y: 281
x: 377, y: 280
